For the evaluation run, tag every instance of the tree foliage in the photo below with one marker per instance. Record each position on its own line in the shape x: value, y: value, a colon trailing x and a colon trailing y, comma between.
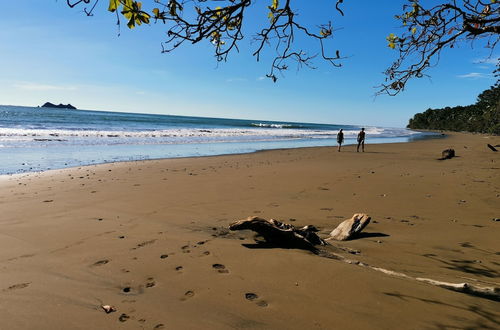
x: 427, y: 30
x: 481, y: 117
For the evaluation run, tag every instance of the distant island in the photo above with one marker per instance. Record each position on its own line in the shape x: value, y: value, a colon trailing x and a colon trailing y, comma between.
x: 481, y: 117
x: 60, y: 106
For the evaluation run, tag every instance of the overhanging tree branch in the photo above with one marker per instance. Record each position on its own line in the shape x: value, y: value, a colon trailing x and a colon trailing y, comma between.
x: 429, y: 31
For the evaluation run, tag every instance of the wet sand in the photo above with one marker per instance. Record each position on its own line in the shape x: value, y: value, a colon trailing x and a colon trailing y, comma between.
x: 150, y: 238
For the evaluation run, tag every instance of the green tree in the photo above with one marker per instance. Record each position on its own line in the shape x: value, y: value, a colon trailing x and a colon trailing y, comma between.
x: 481, y: 117
x: 426, y: 30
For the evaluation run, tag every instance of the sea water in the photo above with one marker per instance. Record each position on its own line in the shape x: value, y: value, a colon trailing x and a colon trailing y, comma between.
x: 37, y: 139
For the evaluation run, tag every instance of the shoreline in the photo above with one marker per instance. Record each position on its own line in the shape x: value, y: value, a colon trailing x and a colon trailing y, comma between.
x: 78, y: 237
x: 377, y: 142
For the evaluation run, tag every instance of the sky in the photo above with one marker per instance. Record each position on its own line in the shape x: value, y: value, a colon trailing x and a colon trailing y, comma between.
x: 50, y: 52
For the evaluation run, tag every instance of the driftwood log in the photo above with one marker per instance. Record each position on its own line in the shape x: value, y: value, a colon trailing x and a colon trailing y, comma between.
x: 447, y: 154
x: 492, y: 147
x: 280, y: 233
x: 287, y: 235
x: 349, y: 228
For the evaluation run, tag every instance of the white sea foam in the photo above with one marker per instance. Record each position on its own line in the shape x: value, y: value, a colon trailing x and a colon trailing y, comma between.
x: 30, y: 136
x: 275, y: 125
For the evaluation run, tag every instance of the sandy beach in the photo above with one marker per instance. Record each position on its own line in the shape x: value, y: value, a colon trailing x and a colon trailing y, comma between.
x: 150, y: 238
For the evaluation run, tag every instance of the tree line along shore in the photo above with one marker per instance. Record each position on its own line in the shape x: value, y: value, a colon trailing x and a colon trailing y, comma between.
x: 480, y: 117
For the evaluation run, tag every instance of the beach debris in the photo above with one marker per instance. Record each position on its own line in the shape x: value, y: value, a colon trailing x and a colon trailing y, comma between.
x: 349, y: 228
x: 447, y: 154
x: 108, y: 308
x: 281, y: 233
x: 492, y: 147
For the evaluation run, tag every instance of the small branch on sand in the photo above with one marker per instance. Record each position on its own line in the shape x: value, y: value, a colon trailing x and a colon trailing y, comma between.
x: 492, y: 293
x: 492, y: 147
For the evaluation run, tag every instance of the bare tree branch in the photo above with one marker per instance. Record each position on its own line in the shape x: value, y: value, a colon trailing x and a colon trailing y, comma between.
x: 430, y: 31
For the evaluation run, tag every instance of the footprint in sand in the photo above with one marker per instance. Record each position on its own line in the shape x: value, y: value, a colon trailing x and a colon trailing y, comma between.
x: 206, y: 253
x: 188, y: 294
x: 143, y: 244
x: 18, y: 286
x: 150, y: 283
x: 253, y: 296
x: 159, y: 326
x: 100, y: 262
x: 262, y: 303
x: 185, y: 249
x: 179, y: 268
x: 127, y: 289
x: 164, y: 256
x: 123, y: 318
x: 220, y: 268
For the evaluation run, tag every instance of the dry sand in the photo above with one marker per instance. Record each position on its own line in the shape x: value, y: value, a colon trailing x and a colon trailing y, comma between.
x: 73, y: 239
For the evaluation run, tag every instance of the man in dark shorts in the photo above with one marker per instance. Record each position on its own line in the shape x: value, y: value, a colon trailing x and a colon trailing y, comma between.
x: 340, y: 138
x: 361, y: 140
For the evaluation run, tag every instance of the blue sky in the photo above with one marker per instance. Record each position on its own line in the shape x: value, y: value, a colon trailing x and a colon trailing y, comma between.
x: 50, y: 52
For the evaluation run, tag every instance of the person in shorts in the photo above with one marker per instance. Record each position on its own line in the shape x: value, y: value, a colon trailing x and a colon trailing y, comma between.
x: 361, y: 140
x: 340, y: 138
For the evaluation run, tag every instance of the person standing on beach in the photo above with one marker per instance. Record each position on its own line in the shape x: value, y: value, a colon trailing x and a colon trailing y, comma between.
x: 340, y: 138
x: 361, y: 140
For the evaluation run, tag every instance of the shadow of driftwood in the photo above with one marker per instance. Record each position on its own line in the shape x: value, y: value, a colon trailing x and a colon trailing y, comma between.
x: 368, y: 235
x: 466, y: 266
x: 471, y: 246
x: 269, y: 245
x: 477, y: 323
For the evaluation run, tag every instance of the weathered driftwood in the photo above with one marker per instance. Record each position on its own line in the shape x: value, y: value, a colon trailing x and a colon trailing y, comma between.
x: 492, y: 147
x: 447, y: 154
x: 349, y: 228
x: 280, y: 233
x: 287, y: 235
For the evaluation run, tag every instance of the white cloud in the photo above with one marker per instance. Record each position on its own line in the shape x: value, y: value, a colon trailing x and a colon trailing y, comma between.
x: 475, y: 75
x: 31, y: 86
x: 488, y: 60
x: 236, y: 79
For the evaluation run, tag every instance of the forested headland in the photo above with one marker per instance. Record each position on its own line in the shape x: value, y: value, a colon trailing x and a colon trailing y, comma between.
x: 481, y: 117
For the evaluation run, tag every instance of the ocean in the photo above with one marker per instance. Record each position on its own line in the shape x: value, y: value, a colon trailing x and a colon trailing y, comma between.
x: 38, y: 139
